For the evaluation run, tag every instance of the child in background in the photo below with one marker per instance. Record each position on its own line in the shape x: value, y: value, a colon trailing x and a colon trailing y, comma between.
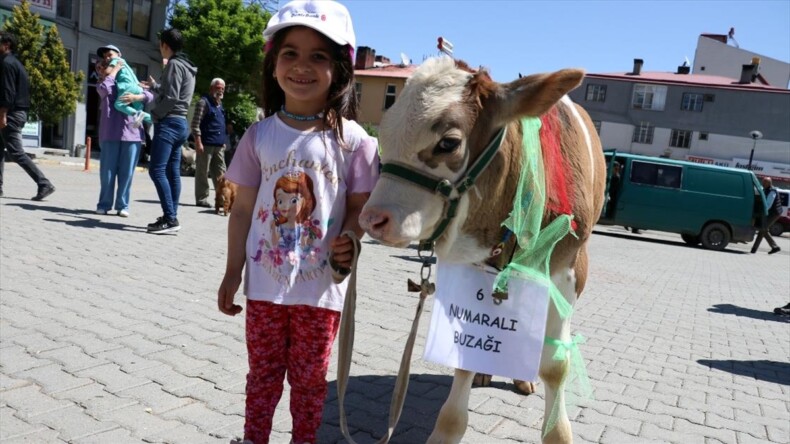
x: 304, y: 174
x: 126, y: 82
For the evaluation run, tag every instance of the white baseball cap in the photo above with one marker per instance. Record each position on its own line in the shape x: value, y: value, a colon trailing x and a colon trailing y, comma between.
x: 330, y: 18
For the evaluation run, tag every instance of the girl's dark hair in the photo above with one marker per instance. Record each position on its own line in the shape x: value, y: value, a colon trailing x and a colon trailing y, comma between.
x: 342, y: 99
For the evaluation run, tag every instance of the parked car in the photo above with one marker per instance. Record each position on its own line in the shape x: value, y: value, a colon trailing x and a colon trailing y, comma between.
x: 783, y: 224
x: 705, y: 204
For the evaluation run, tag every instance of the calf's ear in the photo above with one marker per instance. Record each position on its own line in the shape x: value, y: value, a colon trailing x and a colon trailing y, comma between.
x: 533, y: 95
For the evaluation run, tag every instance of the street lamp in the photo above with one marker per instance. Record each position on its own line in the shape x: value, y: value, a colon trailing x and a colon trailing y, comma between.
x: 756, y: 135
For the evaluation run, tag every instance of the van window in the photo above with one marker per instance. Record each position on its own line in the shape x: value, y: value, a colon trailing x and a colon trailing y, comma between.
x: 784, y: 196
x: 656, y: 174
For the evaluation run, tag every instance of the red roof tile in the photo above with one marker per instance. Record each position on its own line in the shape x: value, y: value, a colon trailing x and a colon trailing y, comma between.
x: 392, y: 71
x: 689, y: 79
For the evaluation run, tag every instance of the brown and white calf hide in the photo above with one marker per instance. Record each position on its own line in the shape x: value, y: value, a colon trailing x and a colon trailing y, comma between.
x: 445, y: 116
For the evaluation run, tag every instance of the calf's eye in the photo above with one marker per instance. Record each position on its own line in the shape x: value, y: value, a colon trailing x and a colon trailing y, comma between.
x: 447, y: 145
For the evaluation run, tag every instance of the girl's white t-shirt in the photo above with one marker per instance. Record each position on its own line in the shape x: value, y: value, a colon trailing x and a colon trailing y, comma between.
x: 303, y: 179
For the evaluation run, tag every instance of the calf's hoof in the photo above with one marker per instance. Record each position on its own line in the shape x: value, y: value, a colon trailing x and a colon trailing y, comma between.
x: 481, y: 380
x: 524, y: 387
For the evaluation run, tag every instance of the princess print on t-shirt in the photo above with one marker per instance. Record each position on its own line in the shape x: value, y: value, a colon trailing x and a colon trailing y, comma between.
x: 289, y: 253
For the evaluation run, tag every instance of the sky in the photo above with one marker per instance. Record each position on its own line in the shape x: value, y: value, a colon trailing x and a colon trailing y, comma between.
x: 527, y: 37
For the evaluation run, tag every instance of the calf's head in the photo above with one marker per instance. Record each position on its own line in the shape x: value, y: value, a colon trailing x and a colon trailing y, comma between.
x: 442, y: 120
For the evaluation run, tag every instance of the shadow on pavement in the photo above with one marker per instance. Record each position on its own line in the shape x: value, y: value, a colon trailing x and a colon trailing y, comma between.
x: 638, y: 237
x: 44, y: 207
x: 748, y: 313
x: 98, y: 223
x: 770, y: 371
x: 424, y: 399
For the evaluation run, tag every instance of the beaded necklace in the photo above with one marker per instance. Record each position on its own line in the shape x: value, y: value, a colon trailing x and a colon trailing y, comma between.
x: 300, y: 117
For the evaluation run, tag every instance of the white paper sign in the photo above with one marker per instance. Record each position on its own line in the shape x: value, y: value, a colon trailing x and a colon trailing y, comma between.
x: 469, y: 331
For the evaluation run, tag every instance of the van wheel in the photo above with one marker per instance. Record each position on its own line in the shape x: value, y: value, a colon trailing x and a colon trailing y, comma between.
x: 776, y: 229
x: 715, y: 236
x: 691, y: 239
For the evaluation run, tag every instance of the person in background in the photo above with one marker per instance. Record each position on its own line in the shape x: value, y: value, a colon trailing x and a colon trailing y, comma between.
x: 172, y: 100
x: 774, y: 205
x: 210, y: 132
x: 233, y: 140
x: 125, y: 83
x: 119, y: 139
x: 14, y: 105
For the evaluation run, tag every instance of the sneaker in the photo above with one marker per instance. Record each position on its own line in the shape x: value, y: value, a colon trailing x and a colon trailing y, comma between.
x: 783, y: 311
x: 203, y: 203
x: 775, y: 249
x: 138, y: 119
x: 164, y: 226
x: 123, y: 213
x: 43, y: 192
x: 102, y: 212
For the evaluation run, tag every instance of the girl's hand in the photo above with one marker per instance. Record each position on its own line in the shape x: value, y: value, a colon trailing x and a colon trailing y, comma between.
x: 342, y: 251
x: 226, y: 293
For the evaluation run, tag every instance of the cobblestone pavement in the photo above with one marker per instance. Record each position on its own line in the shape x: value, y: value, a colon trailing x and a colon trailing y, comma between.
x: 111, y: 335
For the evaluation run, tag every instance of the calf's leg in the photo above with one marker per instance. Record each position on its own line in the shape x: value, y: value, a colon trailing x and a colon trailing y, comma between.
x: 453, y: 417
x: 554, y: 372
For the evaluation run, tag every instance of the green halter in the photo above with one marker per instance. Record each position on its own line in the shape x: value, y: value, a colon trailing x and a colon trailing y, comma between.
x: 450, y: 193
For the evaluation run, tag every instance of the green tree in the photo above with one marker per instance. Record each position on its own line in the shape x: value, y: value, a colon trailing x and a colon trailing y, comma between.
x: 54, y: 89
x: 224, y: 38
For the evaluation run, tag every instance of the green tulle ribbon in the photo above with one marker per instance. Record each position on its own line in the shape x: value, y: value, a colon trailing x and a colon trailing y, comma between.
x: 532, y: 260
x: 577, y: 376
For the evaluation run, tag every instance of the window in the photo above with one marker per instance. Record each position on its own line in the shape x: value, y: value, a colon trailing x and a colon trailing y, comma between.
x: 703, y: 136
x: 596, y: 93
x: 64, y: 8
x: 692, y: 102
x: 644, y: 133
x: 141, y: 18
x: 710, y: 97
x: 358, y: 89
x: 680, y: 138
x: 389, y: 97
x: 128, y: 17
x: 102, y: 14
x: 656, y: 174
x: 597, y: 124
x: 650, y: 97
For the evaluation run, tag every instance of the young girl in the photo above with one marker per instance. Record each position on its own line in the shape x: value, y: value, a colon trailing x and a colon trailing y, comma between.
x: 304, y: 174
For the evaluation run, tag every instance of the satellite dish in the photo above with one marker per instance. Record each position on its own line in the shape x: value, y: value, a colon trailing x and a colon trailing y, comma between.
x: 404, y: 59
x: 686, y: 62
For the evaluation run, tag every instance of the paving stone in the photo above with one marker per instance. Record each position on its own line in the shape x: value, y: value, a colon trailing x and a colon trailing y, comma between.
x: 72, y: 358
x: 153, y: 396
x: 112, y: 377
x: 13, y: 427
x: 73, y: 423
x: 52, y: 378
x: 28, y: 401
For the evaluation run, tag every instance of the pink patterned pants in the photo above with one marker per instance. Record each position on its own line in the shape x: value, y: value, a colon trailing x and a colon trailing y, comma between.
x: 287, y: 339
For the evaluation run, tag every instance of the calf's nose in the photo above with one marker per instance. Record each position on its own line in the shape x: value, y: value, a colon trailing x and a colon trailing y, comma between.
x: 374, y: 221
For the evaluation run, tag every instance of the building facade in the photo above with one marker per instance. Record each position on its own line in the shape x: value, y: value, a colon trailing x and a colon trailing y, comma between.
x: 697, y: 117
x: 131, y: 25
x: 378, y: 84
x: 715, y: 57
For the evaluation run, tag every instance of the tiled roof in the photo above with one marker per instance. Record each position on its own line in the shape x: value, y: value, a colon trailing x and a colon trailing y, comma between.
x: 392, y: 71
x: 689, y: 79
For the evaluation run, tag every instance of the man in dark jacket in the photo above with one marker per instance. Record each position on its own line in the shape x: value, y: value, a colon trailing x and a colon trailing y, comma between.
x: 774, y: 212
x: 210, y: 132
x: 14, y: 104
x: 171, y: 103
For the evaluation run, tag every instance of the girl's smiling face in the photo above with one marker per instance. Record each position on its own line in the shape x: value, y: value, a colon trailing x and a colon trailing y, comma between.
x: 289, y: 205
x: 304, y: 70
